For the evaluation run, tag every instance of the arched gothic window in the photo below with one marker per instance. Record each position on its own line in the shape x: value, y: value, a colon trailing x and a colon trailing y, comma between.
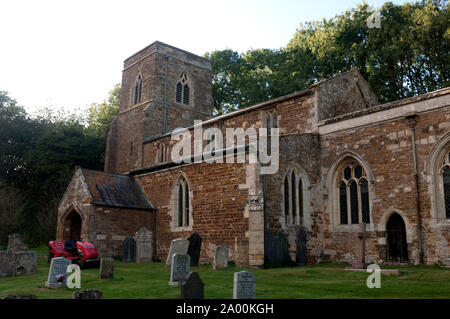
x: 294, y: 195
x: 183, y: 203
x: 271, y: 121
x: 353, y: 194
x: 182, y: 94
x: 445, y: 176
x: 138, y: 90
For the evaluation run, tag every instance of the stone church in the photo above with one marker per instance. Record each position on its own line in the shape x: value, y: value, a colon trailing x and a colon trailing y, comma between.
x: 344, y: 160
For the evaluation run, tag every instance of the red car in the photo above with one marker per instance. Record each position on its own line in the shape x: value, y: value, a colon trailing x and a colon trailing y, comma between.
x: 80, y: 252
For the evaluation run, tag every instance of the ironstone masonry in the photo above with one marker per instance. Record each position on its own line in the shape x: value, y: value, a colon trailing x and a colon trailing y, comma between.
x: 334, y: 124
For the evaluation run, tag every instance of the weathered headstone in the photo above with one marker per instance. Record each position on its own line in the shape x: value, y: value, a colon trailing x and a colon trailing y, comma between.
x: 301, y: 253
x: 179, y: 269
x: 15, y: 243
x: 360, y: 262
x: 106, y: 268
x: 7, y: 264
x: 282, y: 249
x: 192, y: 287
x: 129, y: 250
x: 178, y: 246
x: 244, y: 285
x: 87, y: 294
x: 221, y: 257
x: 144, y: 245
x: 57, y: 275
x: 195, y: 245
x: 276, y: 249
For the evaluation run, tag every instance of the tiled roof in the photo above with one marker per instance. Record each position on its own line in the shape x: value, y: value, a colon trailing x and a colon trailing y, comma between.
x: 115, y: 190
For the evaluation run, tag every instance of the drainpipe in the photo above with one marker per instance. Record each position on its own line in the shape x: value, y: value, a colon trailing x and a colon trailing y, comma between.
x: 165, y: 94
x: 154, y: 232
x: 412, y: 120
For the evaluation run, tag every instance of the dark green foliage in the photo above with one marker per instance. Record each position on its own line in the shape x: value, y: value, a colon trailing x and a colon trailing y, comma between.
x: 37, y: 160
x: 407, y: 56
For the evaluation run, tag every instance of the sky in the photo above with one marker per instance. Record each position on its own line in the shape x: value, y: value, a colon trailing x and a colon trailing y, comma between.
x: 69, y: 54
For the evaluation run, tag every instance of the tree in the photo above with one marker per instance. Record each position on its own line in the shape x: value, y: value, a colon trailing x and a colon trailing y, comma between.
x: 100, y: 116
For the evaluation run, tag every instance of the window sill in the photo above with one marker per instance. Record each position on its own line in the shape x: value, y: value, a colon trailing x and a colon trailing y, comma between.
x: 352, y: 228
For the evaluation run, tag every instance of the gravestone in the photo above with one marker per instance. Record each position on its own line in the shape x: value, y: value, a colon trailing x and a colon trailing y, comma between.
x: 57, y: 275
x: 244, y: 285
x: 192, y: 287
x: 301, y: 253
x: 107, y: 268
x: 360, y: 262
x: 7, y: 264
x: 87, y: 294
x: 129, y: 250
x: 144, y: 245
x: 195, y: 244
x: 15, y: 243
x: 179, y: 269
x: 178, y: 246
x: 221, y: 257
x: 276, y: 249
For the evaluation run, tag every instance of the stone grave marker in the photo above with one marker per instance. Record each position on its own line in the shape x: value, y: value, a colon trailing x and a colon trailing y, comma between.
x: 144, y: 246
x: 87, y: 294
x: 195, y: 245
x: 192, y: 287
x: 178, y: 246
x: 244, y: 285
x: 15, y: 243
x: 221, y: 257
x: 360, y: 262
x: 57, y: 275
x: 129, y: 250
x: 179, y: 269
x: 301, y: 253
x: 106, y: 268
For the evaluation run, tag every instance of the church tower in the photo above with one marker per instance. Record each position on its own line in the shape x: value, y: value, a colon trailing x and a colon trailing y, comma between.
x: 163, y: 88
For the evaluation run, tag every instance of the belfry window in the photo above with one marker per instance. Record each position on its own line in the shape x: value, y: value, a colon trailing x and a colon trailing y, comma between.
x: 353, y: 195
x: 138, y: 90
x: 182, y: 94
x: 183, y: 203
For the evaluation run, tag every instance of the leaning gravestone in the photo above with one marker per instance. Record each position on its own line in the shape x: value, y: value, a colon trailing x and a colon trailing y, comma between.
x: 178, y: 246
x: 221, y: 257
x: 195, y: 244
x: 129, y: 250
x: 179, y: 269
x: 87, y: 294
x: 106, y: 268
x: 15, y: 243
x: 192, y: 287
x: 244, y: 285
x: 300, y: 257
x: 57, y: 275
x: 144, y: 245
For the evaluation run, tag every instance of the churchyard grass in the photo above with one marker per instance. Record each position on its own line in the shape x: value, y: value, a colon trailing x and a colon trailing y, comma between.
x: 150, y: 280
